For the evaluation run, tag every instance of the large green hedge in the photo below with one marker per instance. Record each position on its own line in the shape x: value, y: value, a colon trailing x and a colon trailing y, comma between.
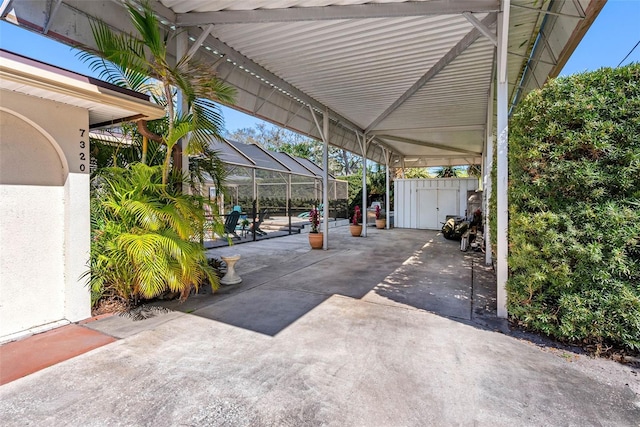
x: 575, y: 209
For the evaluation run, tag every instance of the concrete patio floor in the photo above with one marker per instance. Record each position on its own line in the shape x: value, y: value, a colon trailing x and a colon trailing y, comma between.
x: 396, y: 329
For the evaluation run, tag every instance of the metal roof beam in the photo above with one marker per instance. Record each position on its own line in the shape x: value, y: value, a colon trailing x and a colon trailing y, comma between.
x: 362, y: 11
x: 427, y: 144
x: 5, y: 7
x: 164, y: 13
x: 52, y: 13
x: 386, y: 146
x: 547, y: 12
x: 197, y: 43
x: 436, y: 129
x: 481, y: 27
x: 435, y: 156
x: 455, y: 51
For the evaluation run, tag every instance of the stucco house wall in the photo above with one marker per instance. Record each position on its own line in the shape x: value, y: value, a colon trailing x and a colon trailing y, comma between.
x: 44, y: 214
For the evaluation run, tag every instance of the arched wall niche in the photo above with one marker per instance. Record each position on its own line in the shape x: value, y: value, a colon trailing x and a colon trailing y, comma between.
x: 28, y: 154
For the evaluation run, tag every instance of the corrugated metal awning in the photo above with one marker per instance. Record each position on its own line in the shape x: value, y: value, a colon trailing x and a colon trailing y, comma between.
x: 414, y: 75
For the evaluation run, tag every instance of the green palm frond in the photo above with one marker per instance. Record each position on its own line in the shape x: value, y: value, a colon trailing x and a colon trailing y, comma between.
x: 208, y: 167
x: 182, y: 126
x: 216, y: 90
x: 121, y: 49
x: 148, y: 28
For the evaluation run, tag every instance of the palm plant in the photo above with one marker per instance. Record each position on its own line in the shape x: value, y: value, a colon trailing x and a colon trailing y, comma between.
x: 142, y: 236
x: 135, y: 61
x: 448, y: 172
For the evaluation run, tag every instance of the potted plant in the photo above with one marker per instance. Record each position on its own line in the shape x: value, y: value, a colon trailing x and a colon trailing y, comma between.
x: 315, y: 236
x: 245, y: 226
x: 381, y: 221
x: 356, y: 227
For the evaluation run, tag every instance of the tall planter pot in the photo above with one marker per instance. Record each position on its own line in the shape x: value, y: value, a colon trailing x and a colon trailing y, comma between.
x: 316, y: 240
x: 356, y: 230
x: 381, y: 223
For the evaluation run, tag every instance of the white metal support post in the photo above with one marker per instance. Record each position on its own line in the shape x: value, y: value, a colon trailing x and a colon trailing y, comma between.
x: 488, y: 185
x: 387, y: 202
x: 254, y: 186
x: 502, y: 161
x: 289, y: 200
x: 325, y: 179
x: 324, y: 134
x: 182, y: 48
x: 364, y: 144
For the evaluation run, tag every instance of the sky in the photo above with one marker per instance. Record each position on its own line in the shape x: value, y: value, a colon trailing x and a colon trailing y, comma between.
x: 611, y: 37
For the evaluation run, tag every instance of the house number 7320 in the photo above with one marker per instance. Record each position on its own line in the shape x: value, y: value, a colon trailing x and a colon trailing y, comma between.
x: 83, y: 145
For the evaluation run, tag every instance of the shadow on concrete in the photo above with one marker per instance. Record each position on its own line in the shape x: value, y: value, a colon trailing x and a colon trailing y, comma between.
x: 441, y: 279
x: 415, y: 269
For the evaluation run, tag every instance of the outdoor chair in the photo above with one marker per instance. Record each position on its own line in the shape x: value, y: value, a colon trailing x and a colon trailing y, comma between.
x: 230, y: 224
x: 256, y: 225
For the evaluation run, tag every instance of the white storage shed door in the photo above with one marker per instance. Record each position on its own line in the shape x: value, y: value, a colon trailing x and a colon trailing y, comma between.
x: 433, y: 206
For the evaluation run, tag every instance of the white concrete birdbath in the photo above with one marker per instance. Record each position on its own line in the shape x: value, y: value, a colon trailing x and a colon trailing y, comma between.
x: 231, y: 278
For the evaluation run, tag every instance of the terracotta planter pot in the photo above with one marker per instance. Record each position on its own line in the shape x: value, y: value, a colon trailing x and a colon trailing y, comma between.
x: 356, y: 230
x: 315, y: 240
x: 381, y: 223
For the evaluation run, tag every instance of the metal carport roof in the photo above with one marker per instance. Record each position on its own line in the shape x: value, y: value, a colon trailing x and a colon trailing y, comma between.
x: 414, y: 75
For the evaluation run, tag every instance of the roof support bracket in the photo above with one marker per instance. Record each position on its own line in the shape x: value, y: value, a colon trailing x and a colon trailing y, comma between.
x: 5, y: 6
x: 427, y: 144
x: 261, y: 101
x: 196, y: 45
x: 53, y: 9
x: 315, y: 119
x: 481, y: 27
x: 290, y: 116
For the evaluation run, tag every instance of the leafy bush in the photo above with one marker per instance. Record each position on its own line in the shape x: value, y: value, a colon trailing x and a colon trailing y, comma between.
x: 143, y: 237
x: 574, y: 195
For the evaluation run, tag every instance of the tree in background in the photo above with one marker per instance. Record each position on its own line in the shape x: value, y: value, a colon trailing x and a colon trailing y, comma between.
x: 574, y: 191
x: 474, y: 170
x: 412, y: 173
x: 341, y: 162
x: 450, y: 172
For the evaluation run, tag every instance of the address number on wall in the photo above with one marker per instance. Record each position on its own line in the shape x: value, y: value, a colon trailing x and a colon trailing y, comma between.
x: 83, y: 156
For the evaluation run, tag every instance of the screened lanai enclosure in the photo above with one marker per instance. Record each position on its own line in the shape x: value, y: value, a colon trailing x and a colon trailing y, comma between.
x: 285, y: 185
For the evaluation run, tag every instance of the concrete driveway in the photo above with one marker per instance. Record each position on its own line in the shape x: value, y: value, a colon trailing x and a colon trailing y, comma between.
x: 396, y: 329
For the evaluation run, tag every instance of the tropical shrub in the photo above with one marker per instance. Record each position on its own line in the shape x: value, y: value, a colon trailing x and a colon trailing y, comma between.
x: 145, y: 238
x: 574, y: 232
